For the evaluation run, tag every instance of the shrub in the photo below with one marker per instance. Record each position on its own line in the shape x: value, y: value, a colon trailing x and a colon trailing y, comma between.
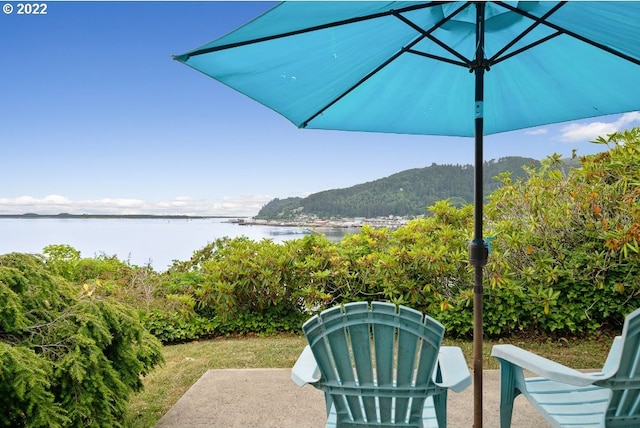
x: 567, y: 247
x: 68, y: 357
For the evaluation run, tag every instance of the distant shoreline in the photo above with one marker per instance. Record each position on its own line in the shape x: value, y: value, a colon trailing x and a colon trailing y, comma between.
x: 33, y: 216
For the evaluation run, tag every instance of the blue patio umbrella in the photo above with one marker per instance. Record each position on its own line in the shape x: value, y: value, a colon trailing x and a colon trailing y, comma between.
x: 435, y: 68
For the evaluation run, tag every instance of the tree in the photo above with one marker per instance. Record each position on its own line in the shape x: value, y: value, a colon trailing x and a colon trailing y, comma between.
x: 67, y: 357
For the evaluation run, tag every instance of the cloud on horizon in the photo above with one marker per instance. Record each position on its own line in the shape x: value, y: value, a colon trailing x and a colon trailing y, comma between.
x: 247, y: 205
x: 577, y: 132
x: 537, y: 131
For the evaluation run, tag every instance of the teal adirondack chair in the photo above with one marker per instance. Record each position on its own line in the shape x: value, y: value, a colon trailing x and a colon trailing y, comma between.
x: 569, y: 398
x: 380, y: 365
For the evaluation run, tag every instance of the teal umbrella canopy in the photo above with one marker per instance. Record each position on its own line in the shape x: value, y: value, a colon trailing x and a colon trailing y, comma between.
x: 403, y: 67
x: 435, y: 68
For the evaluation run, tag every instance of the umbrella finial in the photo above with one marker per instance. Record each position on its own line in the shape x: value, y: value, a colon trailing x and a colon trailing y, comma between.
x: 483, y: 64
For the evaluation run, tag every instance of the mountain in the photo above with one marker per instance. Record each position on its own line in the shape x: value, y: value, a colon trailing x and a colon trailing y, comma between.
x: 407, y: 193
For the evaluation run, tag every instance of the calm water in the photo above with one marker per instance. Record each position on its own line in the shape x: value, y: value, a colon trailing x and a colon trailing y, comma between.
x: 155, y: 241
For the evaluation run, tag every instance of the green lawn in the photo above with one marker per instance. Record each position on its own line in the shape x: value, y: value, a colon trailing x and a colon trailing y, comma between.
x: 185, y: 364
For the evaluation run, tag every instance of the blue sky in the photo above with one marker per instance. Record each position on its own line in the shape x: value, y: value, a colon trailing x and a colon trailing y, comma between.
x: 96, y: 117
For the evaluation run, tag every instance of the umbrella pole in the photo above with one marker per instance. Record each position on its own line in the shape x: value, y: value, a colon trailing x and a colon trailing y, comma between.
x: 477, y: 250
x: 478, y: 258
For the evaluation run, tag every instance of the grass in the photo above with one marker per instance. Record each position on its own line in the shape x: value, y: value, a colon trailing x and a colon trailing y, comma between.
x: 186, y: 363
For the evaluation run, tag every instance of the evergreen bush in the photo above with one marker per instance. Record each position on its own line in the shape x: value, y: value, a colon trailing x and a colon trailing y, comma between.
x: 68, y: 357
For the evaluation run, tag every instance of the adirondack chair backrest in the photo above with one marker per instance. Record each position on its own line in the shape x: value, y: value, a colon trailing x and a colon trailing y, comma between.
x: 376, y: 362
x: 624, y: 403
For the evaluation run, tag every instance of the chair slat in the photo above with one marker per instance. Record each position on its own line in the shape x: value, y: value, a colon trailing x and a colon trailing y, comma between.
x: 384, y: 345
x: 360, y: 336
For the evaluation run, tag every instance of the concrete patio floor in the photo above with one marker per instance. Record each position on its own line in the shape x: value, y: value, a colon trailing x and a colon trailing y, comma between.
x: 267, y: 398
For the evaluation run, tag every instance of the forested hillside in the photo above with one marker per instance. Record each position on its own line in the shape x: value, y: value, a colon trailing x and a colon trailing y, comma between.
x: 407, y: 193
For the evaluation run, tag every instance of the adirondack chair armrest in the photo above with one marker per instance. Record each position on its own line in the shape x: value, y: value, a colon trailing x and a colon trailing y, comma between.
x: 305, y: 370
x: 613, y: 359
x: 542, y: 366
x: 453, y: 368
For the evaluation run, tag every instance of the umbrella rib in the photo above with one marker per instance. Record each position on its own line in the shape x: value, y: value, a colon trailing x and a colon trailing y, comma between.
x: 466, y: 64
x: 525, y: 48
x: 203, y: 51
x: 574, y: 35
x: 538, y: 21
x: 427, y: 33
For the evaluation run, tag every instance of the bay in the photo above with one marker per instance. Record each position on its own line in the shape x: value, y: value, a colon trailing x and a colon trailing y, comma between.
x: 139, y: 241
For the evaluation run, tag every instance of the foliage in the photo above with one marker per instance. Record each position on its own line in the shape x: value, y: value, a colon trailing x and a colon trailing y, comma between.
x: 417, y: 265
x: 407, y: 193
x: 68, y: 357
x: 281, y: 208
x: 567, y: 254
x: 241, y: 286
x: 110, y: 277
x: 180, y: 326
